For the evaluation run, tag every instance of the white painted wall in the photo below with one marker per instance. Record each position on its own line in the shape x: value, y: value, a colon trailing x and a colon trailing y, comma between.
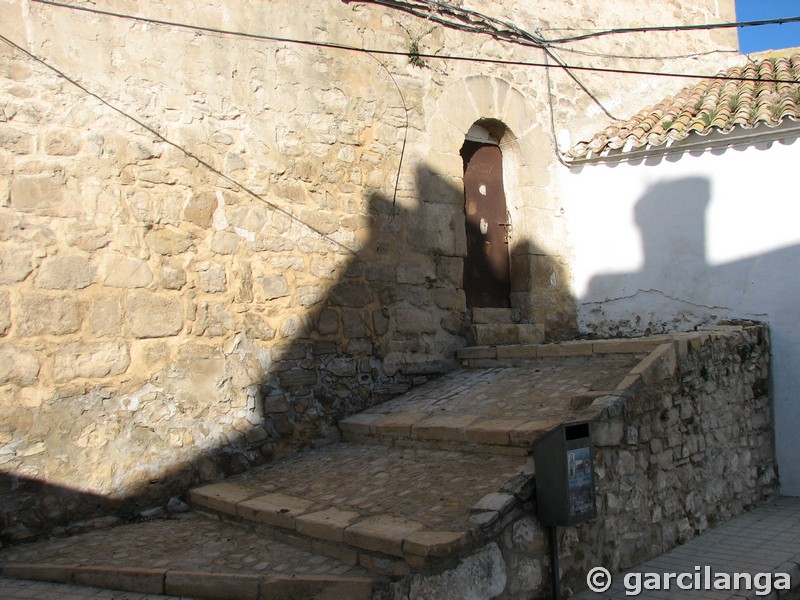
x: 672, y: 242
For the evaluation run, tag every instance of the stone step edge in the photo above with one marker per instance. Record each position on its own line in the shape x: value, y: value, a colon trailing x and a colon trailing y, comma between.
x: 481, y: 316
x: 681, y: 342
x: 374, y: 537
x: 469, y: 433
x: 561, y: 349
x: 657, y: 364
x: 502, y: 334
x: 447, y: 446
x: 205, y: 585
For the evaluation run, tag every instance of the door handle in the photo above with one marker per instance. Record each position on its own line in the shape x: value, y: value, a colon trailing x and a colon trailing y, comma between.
x: 508, y: 231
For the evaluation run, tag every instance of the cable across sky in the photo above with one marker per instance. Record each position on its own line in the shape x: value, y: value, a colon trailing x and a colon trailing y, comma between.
x: 432, y: 56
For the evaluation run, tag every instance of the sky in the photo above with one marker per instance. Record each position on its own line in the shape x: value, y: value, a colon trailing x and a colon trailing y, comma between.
x: 767, y: 37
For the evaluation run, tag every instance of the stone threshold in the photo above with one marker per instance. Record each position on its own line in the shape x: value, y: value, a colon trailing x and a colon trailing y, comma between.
x: 205, y: 585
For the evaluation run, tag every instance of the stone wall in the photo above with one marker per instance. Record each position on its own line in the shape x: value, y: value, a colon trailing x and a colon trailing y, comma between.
x: 687, y: 445
x: 203, y: 257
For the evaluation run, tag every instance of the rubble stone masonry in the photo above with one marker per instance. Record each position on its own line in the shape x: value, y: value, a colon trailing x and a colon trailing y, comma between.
x: 203, y: 257
x: 686, y: 445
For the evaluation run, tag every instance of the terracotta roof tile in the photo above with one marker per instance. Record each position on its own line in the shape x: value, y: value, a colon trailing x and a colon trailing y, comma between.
x: 710, y: 105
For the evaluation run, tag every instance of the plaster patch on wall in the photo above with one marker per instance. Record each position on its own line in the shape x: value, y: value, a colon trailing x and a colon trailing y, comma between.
x: 646, y: 312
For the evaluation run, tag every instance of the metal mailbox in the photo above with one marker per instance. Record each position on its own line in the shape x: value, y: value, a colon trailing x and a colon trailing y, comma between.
x: 565, y: 487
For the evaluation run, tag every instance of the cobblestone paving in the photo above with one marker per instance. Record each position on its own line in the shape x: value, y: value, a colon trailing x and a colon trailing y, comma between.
x: 436, y: 488
x: 19, y: 589
x: 543, y: 389
x: 190, y: 542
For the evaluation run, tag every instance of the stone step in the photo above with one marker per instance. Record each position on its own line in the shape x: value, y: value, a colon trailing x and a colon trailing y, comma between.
x: 463, y: 432
x: 484, y: 356
x: 501, y: 410
x: 390, y: 510
x: 493, y: 315
x: 501, y: 334
x: 191, y: 555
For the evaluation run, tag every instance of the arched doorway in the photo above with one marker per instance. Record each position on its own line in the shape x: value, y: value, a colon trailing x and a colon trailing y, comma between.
x: 487, y: 279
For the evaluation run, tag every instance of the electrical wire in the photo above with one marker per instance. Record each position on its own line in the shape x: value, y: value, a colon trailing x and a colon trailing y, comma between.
x: 393, y: 212
x: 551, y: 106
x: 664, y: 28
x: 652, y: 57
x: 384, y: 52
x: 537, y: 39
x: 548, y: 52
x: 465, y: 19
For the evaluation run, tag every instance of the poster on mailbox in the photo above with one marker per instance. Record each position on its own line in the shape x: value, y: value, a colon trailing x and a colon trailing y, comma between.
x: 579, y: 477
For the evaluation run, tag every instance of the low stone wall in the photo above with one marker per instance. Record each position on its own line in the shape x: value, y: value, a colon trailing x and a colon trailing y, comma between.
x: 688, y: 444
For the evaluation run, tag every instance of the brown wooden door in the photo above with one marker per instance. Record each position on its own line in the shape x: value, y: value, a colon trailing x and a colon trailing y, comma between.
x: 487, y: 282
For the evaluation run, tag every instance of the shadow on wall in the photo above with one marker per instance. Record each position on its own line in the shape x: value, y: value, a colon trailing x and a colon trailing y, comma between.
x: 676, y: 288
x: 538, y: 284
x: 392, y: 319
x: 373, y: 334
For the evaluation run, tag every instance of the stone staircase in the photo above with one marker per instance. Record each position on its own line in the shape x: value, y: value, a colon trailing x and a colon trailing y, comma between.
x: 416, y: 485
x: 501, y: 326
x: 391, y: 510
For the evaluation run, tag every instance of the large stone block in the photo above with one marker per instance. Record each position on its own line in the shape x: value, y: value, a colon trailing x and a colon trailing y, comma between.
x: 99, y: 359
x: 274, y: 286
x: 450, y: 270
x: 310, y: 295
x: 18, y: 365
x: 213, y: 319
x: 481, y: 575
x: 255, y: 327
x: 414, y: 321
x: 41, y: 314
x: 167, y: 242
x: 224, y: 242
x: 213, y: 278
x: 354, y: 295
x: 15, y: 264
x: 16, y: 141
x: 440, y: 229
x: 659, y: 365
x: 328, y: 323
x: 66, y: 273
x: 420, y: 271
x: 154, y: 315
x: 200, y: 209
x: 41, y: 194
x: 354, y: 325
x: 172, y: 276
x: 450, y: 299
x: 105, y: 316
x: 61, y: 143
x: 125, y: 271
